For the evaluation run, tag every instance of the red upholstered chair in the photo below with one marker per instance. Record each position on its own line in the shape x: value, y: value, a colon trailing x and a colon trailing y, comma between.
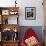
x: 29, y: 33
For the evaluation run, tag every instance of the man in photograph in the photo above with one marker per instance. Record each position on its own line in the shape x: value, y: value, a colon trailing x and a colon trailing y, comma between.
x: 30, y: 13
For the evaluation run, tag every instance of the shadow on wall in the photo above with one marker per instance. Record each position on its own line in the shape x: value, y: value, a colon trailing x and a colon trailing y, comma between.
x: 37, y: 29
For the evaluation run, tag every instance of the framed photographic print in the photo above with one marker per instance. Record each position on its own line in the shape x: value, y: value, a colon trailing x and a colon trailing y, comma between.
x: 5, y: 12
x: 30, y: 13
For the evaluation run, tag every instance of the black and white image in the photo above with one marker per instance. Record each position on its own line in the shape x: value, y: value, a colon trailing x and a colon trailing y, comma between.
x: 30, y: 13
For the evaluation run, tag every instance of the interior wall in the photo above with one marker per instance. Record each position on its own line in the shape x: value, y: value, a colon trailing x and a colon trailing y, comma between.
x: 39, y: 13
x: 26, y: 3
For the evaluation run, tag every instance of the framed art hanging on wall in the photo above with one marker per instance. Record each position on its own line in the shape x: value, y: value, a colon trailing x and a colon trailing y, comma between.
x: 30, y: 13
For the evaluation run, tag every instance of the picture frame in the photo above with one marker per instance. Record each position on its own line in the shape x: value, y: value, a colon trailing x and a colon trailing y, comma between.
x: 13, y: 12
x: 5, y: 12
x: 30, y: 13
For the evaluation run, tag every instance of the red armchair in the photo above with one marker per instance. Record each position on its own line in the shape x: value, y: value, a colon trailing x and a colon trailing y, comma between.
x: 28, y: 34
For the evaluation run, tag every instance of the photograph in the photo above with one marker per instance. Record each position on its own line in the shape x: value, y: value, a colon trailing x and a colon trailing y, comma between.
x: 30, y: 13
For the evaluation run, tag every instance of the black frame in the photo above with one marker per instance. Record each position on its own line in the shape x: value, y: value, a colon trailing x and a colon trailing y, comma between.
x: 30, y: 13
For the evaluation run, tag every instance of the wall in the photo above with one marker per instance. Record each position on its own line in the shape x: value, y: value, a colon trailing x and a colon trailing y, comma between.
x: 27, y: 3
x: 39, y: 13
